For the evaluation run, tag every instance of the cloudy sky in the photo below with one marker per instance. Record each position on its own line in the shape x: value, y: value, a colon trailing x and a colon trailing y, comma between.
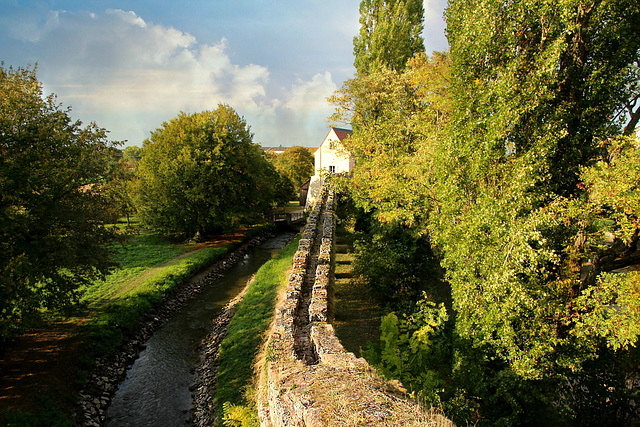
x: 130, y: 65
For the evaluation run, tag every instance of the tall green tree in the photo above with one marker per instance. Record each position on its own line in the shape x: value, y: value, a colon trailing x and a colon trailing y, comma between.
x: 514, y: 166
x: 296, y: 163
x: 395, y: 146
x: 201, y: 173
x: 390, y: 34
x: 535, y: 101
x: 52, y: 208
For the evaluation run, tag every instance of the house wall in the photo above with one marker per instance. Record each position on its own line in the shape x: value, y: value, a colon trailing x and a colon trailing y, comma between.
x: 330, y: 154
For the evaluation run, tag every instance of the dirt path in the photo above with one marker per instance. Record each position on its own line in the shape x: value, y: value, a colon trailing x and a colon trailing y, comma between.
x: 49, y: 360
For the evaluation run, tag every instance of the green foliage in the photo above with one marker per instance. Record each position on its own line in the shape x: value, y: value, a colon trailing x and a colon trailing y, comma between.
x: 398, y: 267
x: 397, y: 128
x: 611, y: 310
x: 390, y: 34
x: 416, y: 350
x: 131, y: 155
x: 247, y: 328
x: 296, y: 163
x: 116, y: 190
x: 201, y: 173
x: 613, y: 185
x: 506, y: 155
x: 284, y: 190
x: 48, y: 414
x: 52, y: 206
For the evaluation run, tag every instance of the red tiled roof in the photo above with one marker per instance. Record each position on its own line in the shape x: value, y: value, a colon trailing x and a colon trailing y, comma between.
x: 342, y: 133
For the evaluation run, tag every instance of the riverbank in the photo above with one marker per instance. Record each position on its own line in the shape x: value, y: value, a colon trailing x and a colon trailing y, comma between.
x: 110, y: 370
x: 43, y: 370
x: 234, y: 342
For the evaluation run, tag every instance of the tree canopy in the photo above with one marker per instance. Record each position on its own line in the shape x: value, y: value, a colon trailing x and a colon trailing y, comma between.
x: 52, y: 209
x: 201, y: 173
x: 296, y: 163
x: 512, y: 155
x: 390, y: 34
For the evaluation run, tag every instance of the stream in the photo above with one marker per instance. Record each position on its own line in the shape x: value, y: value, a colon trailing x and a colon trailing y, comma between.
x: 156, y: 389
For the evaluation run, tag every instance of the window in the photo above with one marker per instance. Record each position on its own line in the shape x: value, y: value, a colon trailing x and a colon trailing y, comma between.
x: 332, y: 169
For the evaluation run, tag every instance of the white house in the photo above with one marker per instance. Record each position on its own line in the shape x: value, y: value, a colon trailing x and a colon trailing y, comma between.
x: 331, y: 157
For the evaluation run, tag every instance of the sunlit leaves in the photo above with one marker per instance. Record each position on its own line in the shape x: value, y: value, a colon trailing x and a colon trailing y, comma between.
x: 52, y: 208
x: 390, y: 34
x: 201, y: 173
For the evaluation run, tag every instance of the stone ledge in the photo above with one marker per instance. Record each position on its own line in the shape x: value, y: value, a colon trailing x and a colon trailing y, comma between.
x: 341, y: 389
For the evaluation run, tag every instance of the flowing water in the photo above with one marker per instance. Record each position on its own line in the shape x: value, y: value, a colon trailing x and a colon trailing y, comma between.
x: 156, y: 389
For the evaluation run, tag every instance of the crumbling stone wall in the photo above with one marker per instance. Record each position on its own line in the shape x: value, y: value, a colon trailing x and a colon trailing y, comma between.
x: 338, y: 388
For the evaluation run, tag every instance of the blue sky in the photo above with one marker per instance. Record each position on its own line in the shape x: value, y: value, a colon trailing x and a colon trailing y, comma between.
x: 130, y: 65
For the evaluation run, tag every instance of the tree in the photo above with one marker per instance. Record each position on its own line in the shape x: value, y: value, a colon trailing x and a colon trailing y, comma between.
x: 389, y: 34
x: 131, y: 155
x: 201, y: 173
x: 513, y: 166
x: 535, y: 101
x: 296, y: 163
x: 117, y: 189
x: 52, y: 211
x: 398, y: 119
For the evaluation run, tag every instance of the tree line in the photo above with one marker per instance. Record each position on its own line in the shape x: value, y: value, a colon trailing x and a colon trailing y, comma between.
x: 63, y: 185
x: 496, y: 198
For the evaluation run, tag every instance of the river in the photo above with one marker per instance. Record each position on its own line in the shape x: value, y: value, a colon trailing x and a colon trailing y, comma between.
x: 156, y: 389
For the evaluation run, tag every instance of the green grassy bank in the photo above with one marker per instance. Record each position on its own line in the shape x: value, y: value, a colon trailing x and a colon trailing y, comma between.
x: 149, y: 268
x: 245, y: 336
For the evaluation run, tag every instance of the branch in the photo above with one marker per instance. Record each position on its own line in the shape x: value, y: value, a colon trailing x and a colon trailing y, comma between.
x: 630, y: 128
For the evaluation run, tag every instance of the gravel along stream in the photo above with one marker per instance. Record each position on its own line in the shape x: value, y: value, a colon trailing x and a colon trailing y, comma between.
x: 156, y: 389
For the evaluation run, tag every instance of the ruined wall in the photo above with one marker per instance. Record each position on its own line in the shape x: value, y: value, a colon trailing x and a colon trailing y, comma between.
x: 330, y: 386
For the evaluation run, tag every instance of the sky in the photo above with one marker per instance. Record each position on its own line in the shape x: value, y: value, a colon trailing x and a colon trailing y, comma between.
x: 129, y: 66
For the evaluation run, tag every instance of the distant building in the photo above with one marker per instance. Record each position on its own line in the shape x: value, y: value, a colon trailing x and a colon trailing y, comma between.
x: 330, y: 158
x: 274, y: 150
x: 279, y: 150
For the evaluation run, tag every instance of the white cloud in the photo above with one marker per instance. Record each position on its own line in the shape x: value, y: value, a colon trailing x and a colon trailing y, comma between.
x: 299, y: 117
x: 129, y: 75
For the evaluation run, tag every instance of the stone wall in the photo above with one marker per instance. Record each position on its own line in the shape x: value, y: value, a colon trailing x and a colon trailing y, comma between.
x: 336, y: 388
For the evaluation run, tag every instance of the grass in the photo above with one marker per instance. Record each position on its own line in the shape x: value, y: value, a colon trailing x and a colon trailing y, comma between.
x: 292, y: 206
x: 133, y: 292
x: 247, y: 328
x: 356, y: 315
x: 135, y: 257
x: 150, y: 267
x: 49, y: 414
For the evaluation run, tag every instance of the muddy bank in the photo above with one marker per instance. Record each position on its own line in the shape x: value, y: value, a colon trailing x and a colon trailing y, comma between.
x: 110, y: 370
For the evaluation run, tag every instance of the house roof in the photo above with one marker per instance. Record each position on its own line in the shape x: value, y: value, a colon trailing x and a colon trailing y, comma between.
x: 279, y: 149
x: 342, y: 133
